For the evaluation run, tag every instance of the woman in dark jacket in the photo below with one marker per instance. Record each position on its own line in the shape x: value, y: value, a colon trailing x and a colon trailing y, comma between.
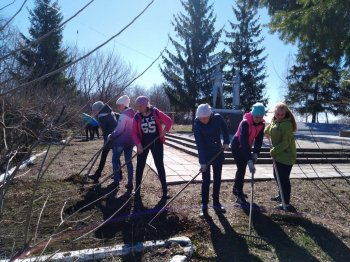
x: 108, y: 121
x: 208, y: 128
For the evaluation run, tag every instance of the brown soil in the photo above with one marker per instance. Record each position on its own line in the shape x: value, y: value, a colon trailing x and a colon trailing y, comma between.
x: 319, y: 231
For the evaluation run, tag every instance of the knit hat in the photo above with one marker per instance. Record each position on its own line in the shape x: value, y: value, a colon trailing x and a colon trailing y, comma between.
x: 97, y: 106
x: 123, y: 100
x: 258, y: 109
x: 203, y: 110
x: 142, y: 101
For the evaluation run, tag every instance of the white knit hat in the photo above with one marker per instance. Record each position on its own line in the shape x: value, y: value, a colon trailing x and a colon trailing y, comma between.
x: 123, y: 100
x: 97, y: 106
x: 203, y: 110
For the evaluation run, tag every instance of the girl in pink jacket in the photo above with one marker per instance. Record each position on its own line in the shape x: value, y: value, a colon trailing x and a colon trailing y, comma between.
x: 148, y: 131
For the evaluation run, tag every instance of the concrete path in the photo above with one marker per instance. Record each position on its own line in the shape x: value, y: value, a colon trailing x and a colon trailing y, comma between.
x: 181, y: 167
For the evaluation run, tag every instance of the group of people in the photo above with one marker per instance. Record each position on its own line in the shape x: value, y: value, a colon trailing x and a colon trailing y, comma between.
x: 146, y: 127
x: 208, y: 129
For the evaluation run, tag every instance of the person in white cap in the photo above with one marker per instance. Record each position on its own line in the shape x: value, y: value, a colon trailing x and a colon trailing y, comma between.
x: 208, y: 128
x: 123, y: 141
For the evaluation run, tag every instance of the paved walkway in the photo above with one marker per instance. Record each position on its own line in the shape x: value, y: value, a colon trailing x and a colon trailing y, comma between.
x: 181, y: 167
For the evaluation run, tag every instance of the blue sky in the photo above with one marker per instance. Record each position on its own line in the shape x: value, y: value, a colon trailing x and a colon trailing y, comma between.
x: 146, y: 38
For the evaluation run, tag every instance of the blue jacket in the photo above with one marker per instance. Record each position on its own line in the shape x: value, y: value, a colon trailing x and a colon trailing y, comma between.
x: 208, y: 139
x: 87, y: 119
x: 107, y: 120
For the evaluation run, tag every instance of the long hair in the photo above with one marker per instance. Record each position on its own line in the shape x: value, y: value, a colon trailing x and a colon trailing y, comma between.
x: 289, y: 114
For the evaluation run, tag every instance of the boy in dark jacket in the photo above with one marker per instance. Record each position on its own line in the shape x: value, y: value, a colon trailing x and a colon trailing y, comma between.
x: 208, y: 128
x: 108, y: 122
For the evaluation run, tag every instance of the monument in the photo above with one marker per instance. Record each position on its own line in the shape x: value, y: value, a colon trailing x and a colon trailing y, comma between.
x: 232, y: 116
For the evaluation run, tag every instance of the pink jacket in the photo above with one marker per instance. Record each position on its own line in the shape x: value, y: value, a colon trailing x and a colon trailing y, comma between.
x: 160, y: 119
x: 253, y: 129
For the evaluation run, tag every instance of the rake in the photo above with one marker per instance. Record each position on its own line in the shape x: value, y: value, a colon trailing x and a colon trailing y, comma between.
x: 181, y: 190
x: 256, y: 240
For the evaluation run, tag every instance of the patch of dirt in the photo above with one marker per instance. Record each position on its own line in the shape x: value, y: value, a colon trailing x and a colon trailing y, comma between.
x: 319, y: 231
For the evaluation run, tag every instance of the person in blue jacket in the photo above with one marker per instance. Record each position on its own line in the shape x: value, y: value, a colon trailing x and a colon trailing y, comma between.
x: 91, y: 126
x: 208, y: 128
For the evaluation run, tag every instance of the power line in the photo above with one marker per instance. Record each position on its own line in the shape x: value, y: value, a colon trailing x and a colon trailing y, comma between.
x: 38, y: 40
x: 54, y: 72
x: 19, y: 10
x: 2, y: 8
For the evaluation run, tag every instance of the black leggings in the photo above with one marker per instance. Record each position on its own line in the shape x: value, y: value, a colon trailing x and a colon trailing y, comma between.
x: 241, y: 164
x: 157, y: 150
x: 284, y: 174
x: 217, y: 169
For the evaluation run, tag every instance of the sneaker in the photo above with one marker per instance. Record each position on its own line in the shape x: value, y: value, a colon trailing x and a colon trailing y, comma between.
x: 94, y: 177
x: 241, y: 200
x: 276, y: 198
x: 288, y: 207
x: 204, y: 211
x: 219, y: 208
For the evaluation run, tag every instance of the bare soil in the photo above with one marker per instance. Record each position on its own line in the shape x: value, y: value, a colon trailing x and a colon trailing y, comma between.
x: 319, y: 231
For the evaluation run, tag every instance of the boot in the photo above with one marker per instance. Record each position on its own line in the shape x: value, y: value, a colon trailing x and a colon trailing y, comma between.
x: 95, y: 177
x: 219, y: 208
x: 204, y: 211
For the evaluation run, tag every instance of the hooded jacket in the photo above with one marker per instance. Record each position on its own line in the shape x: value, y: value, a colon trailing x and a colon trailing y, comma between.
x: 248, y: 133
x: 87, y: 119
x: 123, y: 132
x: 283, y: 141
x: 208, y: 138
x: 107, y: 120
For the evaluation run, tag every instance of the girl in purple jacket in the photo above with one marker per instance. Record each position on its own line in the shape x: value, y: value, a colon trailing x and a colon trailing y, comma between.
x: 123, y: 140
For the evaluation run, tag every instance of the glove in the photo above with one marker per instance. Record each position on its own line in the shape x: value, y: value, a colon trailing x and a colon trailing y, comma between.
x: 254, y: 157
x: 251, y: 166
x: 203, y: 168
x: 225, y: 146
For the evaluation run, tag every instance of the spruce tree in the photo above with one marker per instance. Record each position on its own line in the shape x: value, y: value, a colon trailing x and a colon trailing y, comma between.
x: 314, y: 83
x: 46, y: 55
x: 245, y: 55
x: 187, y: 71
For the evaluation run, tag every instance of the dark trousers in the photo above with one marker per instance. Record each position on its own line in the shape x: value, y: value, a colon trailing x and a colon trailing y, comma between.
x: 157, y: 150
x: 241, y: 164
x: 90, y: 129
x: 102, y: 163
x: 217, y: 169
x: 284, y: 174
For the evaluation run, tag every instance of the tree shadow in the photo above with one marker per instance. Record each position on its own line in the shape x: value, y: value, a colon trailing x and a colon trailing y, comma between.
x: 325, y: 239
x: 228, y: 246
x: 286, y: 249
